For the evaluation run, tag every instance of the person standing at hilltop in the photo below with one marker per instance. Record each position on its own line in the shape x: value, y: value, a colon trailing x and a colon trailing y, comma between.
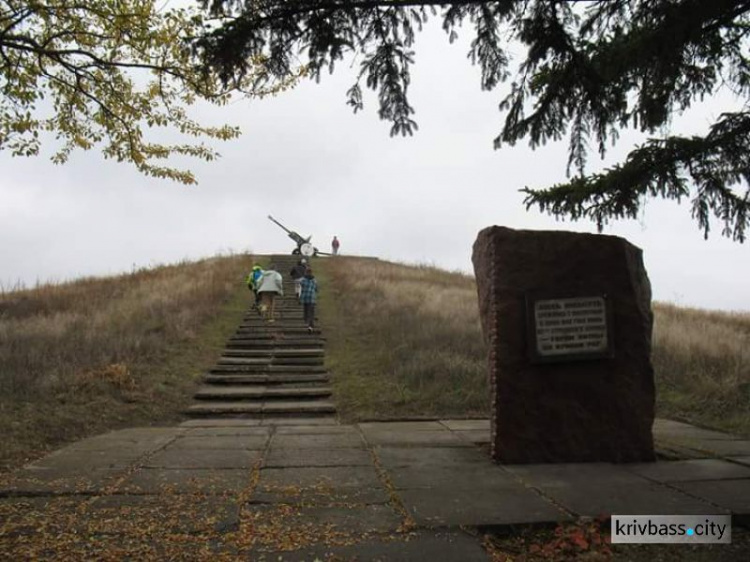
x: 335, y: 246
x: 308, y: 297
x: 270, y: 284
x: 297, y: 273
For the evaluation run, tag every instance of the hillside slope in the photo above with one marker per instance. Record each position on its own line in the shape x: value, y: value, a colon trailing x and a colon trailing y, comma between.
x: 403, y: 341
x: 95, y: 354
x: 406, y: 341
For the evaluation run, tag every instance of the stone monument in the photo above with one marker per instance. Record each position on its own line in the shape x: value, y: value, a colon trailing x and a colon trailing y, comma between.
x: 567, y: 318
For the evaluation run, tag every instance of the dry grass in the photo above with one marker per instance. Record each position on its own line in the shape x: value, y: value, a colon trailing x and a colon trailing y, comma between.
x: 406, y: 341
x: 93, y: 354
x: 403, y: 341
x: 702, y: 364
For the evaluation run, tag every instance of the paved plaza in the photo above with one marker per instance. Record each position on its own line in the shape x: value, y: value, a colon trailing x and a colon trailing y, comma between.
x: 299, y: 489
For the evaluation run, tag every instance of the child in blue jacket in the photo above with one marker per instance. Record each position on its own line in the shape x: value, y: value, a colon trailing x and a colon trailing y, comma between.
x: 308, y: 294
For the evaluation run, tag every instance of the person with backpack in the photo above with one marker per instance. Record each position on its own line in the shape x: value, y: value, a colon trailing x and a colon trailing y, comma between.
x: 297, y: 273
x: 309, y: 292
x: 252, y: 284
x: 270, y: 284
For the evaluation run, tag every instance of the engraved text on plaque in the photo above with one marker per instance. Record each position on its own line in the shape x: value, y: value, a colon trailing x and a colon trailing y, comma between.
x: 570, y: 328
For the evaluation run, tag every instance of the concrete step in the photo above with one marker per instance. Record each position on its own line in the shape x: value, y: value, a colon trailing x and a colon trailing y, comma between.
x: 265, y: 330
x: 283, y: 343
x: 280, y: 307
x: 276, y: 328
x: 225, y: 408
x: 282, y: 334
x: 276, y: 336
x: 246, y: 361
x: 232, y: 392
x: 279, y: 337
x: 286, y: 361
x: 257, y: 409
x: 266, y: 379
x: 295, y: 319
x: 299, y: 408
x: 278, y: 322
x: 278, y: 353
x: 293, y: 307
x: 270, y: 336
x: 297, y: 361
x: 270, y: 369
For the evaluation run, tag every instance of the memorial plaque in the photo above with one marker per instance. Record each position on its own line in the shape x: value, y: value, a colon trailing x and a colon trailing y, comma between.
x: 569, y: 329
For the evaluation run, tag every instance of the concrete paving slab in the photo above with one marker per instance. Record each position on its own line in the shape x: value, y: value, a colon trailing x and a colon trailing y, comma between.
x: 689, y: 470
x: 478, y: 507
x: 62, y: 542
x: 143, y: 433
x: 35, y: 481
x: 221, y: 422
x: 220, y: 442
x: 312, y: 477
x: 420, y: 457
x: 174, y: 513
x: 666, y: 450
x: 474, y: 436
x: 725, y: 448
x: 353, y: 520
x: 185, y: 481
x: 677, y: 430
x: 661, y: 424
x: 298, y: 407
x: 316, y: 430
x: 319, y: 441
x: 733, y: 495
x: 320, y: 486
x: 300, y: 421
x: 22, y: 517
x: 75, y: 460
x: 593, y: 489
x: 423, y: 546
x: 221, y: 431
x: 468, y: 476
x: 203, y: 458
x: 420, y: 438
x: 136, y: 439
x: 467, y: 425
x: 283, y: 458
x: 403, y: 426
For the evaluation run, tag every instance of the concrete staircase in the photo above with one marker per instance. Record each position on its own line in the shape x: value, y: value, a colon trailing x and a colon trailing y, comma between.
x: 269, y: 370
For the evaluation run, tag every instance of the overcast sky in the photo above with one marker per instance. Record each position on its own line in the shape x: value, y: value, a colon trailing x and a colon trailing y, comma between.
x: 308, y: 161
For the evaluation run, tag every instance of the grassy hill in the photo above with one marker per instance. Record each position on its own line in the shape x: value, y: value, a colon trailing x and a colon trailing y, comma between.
x: 95, y: 354
x: 403, y: 342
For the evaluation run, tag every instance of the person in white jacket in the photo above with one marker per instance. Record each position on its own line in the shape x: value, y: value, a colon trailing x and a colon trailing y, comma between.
x: 269, y: 285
